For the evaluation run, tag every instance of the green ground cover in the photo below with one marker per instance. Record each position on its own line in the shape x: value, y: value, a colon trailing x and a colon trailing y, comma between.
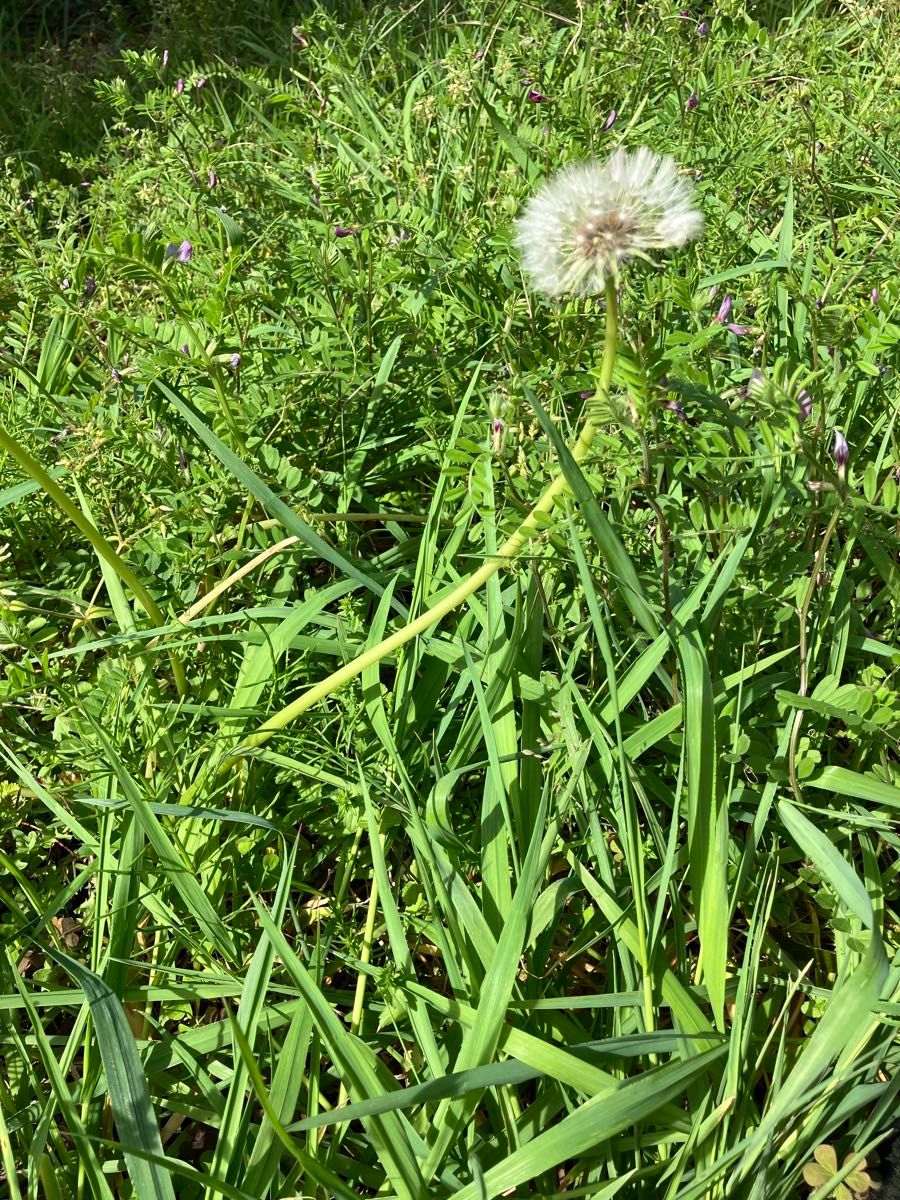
x: 593, y: 889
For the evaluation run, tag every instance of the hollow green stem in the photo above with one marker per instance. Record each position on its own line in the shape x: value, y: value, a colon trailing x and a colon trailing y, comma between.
x: 32, y: 467
x: 529, y: 527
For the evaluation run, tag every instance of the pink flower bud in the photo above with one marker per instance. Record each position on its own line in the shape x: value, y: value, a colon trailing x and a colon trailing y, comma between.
x: 724, y: 311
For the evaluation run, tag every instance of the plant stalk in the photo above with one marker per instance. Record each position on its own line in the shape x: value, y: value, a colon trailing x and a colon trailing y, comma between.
x: 529, y: 527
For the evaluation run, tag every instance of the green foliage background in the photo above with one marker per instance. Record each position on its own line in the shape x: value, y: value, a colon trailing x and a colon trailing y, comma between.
x: 558, y: 904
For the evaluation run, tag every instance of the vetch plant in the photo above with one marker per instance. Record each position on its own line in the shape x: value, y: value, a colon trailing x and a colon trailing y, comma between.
x: 574, y: 236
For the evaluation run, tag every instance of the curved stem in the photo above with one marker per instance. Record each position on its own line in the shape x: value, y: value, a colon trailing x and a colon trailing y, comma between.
x: 32, y: 467
x: 529, y: 527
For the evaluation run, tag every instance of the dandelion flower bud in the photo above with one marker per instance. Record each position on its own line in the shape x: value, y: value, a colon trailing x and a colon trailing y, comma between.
x: 585, y: 221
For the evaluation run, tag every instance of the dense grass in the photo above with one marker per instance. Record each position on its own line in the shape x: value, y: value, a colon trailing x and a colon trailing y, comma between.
x: 590, y: 891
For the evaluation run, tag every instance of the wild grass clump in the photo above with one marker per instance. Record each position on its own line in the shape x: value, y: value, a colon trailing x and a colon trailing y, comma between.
x: 450, y: 733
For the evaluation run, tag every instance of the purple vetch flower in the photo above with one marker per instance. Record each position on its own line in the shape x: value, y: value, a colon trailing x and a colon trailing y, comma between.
x: 841, y: 451
x: 185, y: 349
x: 165, y: 58
x: 201, y: 83
x: 692, y: 101
x: 90, y: 286
x: 536, y: 97
x: 703, y: 29
x: 185, y: 252
x: 179, y: 87
x: 739, y: 330
x: 341, y: 231
x: 804, y: 404
x: 587, y: 394
x: 171, y: 250
x: 875, y: 295
x: 724, y: 311
x: 65, y: 285
x: 235, y: 361
x: 677, y: 408
x: 611, y: 119
x: 212, y: 178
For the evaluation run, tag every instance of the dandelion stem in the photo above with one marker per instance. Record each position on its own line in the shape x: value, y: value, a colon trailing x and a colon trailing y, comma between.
x: 529, y: 527
x: 32, y: 467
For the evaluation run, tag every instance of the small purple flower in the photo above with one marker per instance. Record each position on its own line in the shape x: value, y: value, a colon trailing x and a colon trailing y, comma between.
x: 497, y: 426
x: 165, y: 58
x: 212, y: 178
x: 65, y: 285
x: 739, y: 330
x: 587, y: 394
x: 185, y: 349
x: 684, y: 15
x: 341, y: 231
x: 692, y: 102
x: 875, y: 295
x: 841, y: 451
x: 179, y: 87
x: 703, y: 29
x: 479, y: 54
x: 536, y: 97
x: 805, y: 405
x: 611, y: 119
x: 235, y: 361
x: 171, y: 250
x: 185, y: 252
x: 90, y: 286
x: 201, y: 83
x: 677, y: 408
x: 724, y: 311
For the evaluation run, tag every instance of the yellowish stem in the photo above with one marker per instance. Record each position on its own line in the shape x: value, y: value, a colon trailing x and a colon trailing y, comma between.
x: 532, y: 524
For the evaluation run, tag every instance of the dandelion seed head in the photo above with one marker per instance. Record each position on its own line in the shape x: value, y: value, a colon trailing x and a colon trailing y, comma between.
x: 587, y: 220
